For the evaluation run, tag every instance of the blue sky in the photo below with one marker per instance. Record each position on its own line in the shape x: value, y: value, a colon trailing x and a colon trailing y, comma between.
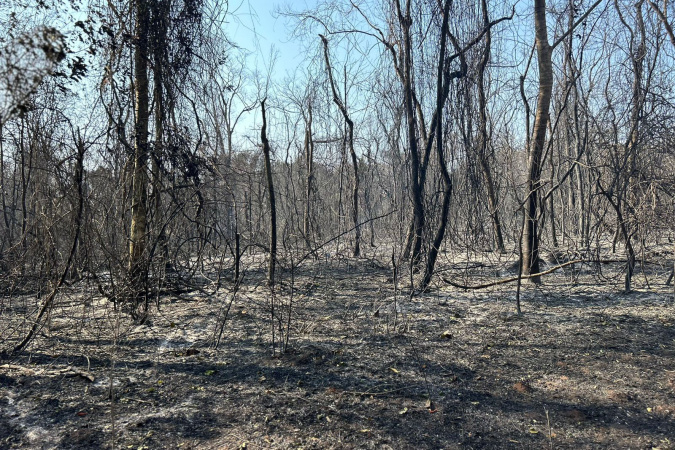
x: 258, y: 28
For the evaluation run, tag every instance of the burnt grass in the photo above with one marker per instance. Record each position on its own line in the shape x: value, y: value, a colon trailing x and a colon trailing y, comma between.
x: 366, y: 364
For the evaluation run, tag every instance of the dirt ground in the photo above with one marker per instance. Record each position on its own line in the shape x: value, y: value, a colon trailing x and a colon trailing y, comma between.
x: 366, y: 365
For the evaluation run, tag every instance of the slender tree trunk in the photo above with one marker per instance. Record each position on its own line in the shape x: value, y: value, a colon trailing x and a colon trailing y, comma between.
x: 440, y: 152
x: 355, y: 195
x: 483, y: 156
x: 367, y: 194
x: 77, y: 225
x: 669, y: 30
x: 26, y: 175
x: 413, y: 247
x: 138, y: 235
x: 272, y: 198
x: 309, y: 167
x: 637, y: 60
x: 352, y: 152
x: 530, y: 263
x: 554, y: 234
x: 620, y: 189
x: 159, y: 41
x: 5, y: 216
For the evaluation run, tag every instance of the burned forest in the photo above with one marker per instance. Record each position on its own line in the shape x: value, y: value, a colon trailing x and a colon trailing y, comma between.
x: 387, y: 224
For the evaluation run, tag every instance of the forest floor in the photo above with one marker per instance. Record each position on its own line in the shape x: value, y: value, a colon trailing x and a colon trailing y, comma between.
x: 366, y: 366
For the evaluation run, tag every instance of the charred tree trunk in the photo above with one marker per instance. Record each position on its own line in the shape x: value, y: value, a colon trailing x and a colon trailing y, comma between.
x: 138, y: 265
x: 352, y: 152
x: 637, y: 102
x: 415, y: 238
x: 483, y: 157
x: 309, y: 168
x: 272, y: 198
x: 77, y: 226
x: 442, y: 74
x: 158, y: 48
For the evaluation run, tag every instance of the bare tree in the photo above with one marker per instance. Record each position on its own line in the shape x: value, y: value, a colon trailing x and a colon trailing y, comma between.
x: 483, y: 140
x: 352, y: 152
x: 530, y: 239
x: 272, y: 199
x: 138, y: 238
x: 309, y: 175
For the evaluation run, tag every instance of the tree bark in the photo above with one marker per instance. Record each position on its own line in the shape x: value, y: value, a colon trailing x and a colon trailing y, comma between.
x: 272, y: 198
x: 139, y: 196
x: 637, y: 60
x: 159, y: 41
x: 416, y: 188
x: 309, y: 168
x: 530, y: 263
x: 440, y: 152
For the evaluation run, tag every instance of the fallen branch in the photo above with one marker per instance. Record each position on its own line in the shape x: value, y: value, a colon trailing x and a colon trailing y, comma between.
x: 511, y: 280
x: 69, y: 371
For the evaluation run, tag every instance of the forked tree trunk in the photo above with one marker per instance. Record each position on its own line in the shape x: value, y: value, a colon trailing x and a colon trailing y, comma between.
x: 415, y: 236
x: 440, y: 151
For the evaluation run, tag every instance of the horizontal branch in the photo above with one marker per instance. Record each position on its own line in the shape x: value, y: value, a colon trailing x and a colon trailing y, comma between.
x: 511, y: 280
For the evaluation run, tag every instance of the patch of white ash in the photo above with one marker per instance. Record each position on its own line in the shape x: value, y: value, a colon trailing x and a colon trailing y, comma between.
x: 23, y: 414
